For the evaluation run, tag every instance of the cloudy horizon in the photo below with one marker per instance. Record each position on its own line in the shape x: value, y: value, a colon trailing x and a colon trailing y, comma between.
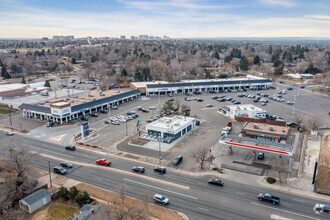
x: 174, y: 18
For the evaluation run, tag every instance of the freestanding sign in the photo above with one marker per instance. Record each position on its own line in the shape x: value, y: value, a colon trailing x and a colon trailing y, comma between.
x: 84, y: 130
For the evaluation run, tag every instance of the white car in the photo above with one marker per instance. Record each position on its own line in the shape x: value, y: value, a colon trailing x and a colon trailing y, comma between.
x: 161, y: 199
x: 9, y: 133
x: 152, y: 107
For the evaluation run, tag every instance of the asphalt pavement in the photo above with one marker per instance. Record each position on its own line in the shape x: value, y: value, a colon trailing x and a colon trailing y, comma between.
x: 188, y: 194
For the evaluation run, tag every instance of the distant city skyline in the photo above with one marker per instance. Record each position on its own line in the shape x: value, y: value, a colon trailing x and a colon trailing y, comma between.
x: 174, y: 18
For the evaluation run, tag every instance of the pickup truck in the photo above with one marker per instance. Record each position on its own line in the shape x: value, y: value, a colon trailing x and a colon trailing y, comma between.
x: 225, y: 130
x: 269, y: 197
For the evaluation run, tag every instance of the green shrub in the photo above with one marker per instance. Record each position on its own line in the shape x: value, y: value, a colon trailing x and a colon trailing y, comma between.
x: 82, y: 198
x: 94, y: 146
x: 73, y: 192
x: 271, y: 180
x: 93, y: 88
x: 87, y: 145
x: 63, y: 193
x: 215, y: 168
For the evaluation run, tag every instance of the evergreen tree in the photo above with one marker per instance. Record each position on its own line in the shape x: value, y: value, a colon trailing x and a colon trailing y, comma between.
x: 73, y: 61
x: 63, y: 193
x: 228, y: 59
x: 256, y: 60
x: 270, y: 49
x: 3, y: 71
x: 23, y: 80
x: 312, y: 69
x: 138, y: 76
x: 124, y: 72
x: 47, y: 84
x: 7, y: 75
x: 73, y: 192
x: 216, y: 55
x: 244, y: 64
x: 82, y: 198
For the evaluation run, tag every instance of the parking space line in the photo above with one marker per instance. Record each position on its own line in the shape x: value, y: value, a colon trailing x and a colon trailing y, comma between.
x: 240, y: 193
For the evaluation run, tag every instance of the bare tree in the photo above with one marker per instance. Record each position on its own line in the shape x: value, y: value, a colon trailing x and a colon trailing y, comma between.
x: 279, y: 166
x: 314, y: 123
x: 201, y: 156
x: 146, y: 197
x: 298, y: 119
x: 19, y: 157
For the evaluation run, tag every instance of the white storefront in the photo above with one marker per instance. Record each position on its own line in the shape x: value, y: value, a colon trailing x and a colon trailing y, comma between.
x: 244, y: 111
x: 170, y: 129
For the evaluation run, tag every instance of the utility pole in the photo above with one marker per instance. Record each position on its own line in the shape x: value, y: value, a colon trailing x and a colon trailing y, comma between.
x: 294, y: 104
x: 50, y: 177
x: 11, y: 123
x: 158, y: 97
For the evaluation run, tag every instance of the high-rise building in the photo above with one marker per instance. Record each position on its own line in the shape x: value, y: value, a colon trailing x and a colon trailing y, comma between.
x: 143, y: 37
x: 123, y: 37
x: 63, y: 38
x: 44, y: 39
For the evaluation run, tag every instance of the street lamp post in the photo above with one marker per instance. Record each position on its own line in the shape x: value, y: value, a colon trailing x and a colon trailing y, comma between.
x: 294, y: 104
x: 267, y: 166
x: 126, y: 129
x: 160, y: 153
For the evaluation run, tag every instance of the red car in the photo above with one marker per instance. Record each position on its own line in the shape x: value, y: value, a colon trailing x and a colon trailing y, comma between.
x: 103, y: 162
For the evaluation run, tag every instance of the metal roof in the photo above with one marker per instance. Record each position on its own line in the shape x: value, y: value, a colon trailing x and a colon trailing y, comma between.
x: 104, y: 100
x: 212, y: 83
x: 36, y: 108
x: 36, y: 196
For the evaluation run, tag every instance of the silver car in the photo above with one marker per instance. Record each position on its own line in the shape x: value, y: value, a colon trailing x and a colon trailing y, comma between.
x: 161, y: 199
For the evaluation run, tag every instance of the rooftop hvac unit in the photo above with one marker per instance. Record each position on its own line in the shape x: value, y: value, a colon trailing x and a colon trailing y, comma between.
x: 102, y: 94
x: 283, y: 130
x: 94, y: 99
x: 84, y: 101
x: 271, y: 128
x: 65, y: 100
x: 256, y: 126
x: 72, y: 100
x: 90, y: 95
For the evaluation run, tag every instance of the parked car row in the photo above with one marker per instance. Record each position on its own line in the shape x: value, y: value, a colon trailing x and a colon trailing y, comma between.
x: 62, y: 169
x: 121, y: 119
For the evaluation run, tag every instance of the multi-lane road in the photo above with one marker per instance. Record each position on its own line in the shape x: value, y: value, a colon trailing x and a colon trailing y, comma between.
x: 187, y: 193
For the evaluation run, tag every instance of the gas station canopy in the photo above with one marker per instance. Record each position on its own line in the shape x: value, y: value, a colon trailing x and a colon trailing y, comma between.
x: 255, y: 144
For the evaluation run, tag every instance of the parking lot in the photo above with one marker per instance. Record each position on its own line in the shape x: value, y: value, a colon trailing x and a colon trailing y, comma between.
x: 212, y: 123
x: 208, y: 133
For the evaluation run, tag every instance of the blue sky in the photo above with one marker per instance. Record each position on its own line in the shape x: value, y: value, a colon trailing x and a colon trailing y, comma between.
x: 175, y: 18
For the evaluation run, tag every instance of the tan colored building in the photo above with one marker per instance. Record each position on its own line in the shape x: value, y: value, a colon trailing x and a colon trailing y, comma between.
x: 267, y: 132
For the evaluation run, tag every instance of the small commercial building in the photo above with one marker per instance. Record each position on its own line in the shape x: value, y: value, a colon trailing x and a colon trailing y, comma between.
x: 35, y: 201
x: 243, y: 111
x: 170, y: 129
x: 20, y: 89
x: 267, y: 132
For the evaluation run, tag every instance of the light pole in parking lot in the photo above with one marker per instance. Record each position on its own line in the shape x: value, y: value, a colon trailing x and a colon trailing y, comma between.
x: 126, y: 129
x: 294, y: 104
x: 159, y: 151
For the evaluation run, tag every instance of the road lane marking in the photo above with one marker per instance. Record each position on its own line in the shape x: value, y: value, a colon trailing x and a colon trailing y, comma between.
x: 284, y: 203
x: 98, y: 178
x: 206, y: 210
x: 115, y: 170
x: 50, y: 152
x: 294, y: 213
x: 298, y: 200
x: 155, y: 187
x: 240, y: 193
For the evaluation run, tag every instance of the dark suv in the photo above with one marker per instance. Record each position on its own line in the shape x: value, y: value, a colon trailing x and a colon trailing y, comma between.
x: 138, y: 169
x: 177, y: 160
x: 60, y: 170
x: 72, y: 148
x: 161, y: 170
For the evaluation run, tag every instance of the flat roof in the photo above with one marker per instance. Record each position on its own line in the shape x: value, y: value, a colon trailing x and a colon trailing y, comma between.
x: 263, y: 128
x: 173, y: 123
x: 144, y: 84
x: 83, y: 98
x: 254, y: 144
x: 13, y: 86
x: 248, y: 107
x: 247, y: 77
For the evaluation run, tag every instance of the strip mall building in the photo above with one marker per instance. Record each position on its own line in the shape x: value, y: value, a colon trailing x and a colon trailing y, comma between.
x: 185, y: 86
x: 63, y: 110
